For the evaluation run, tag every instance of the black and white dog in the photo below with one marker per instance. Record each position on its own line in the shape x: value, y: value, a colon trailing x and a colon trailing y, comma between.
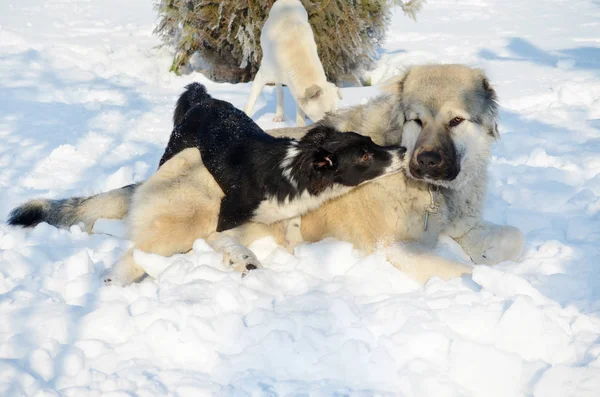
x: 268, y: 179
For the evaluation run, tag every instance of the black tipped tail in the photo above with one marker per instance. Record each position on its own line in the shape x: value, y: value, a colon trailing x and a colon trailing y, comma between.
x: 113, y: 204
x: 194, y: 93
x: 30, y: 213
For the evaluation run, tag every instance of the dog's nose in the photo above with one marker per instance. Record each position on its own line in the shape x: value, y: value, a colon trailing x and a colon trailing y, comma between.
x: 428, y: 161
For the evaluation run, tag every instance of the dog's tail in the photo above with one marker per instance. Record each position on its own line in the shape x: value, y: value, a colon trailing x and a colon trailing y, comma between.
x: 113, y: 204
x: 194, y: 93
x: 411, y: 7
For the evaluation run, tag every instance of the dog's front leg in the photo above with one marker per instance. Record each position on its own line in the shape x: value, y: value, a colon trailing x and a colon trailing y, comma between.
x: 488, y: 244
x: 234, y: 253
x: 279, y: 116
x: 421, y: 265
x: 300, y: 117
x: 257, y: 86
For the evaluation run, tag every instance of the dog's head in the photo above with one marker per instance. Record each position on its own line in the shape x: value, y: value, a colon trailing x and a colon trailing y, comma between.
x: 351, y: 158
x: 319, y: 99
x: 449, y: 115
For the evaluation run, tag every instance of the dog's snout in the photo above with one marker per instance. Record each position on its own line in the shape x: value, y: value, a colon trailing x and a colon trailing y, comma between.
x: 429, y: 160
x: 434, y: 164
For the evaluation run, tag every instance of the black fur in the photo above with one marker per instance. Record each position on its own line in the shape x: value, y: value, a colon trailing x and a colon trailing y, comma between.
x: 248, y: 164
x: 60, y: 213
x: 28, y: 216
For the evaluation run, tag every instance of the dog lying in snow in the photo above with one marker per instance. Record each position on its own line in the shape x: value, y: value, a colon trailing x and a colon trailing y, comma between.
x: 254, y: 176
x: 445, y: 115
x: 290, y: 57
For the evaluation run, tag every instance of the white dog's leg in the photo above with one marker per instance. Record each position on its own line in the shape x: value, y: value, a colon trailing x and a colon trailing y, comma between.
x: 235, y: 254
x: 421, y: 265
x: 489, y: 244
x: 279, y: 116
x: 124, y: 272
x: 300, y: 117
x: 257, y: 86
x: 293, y: 233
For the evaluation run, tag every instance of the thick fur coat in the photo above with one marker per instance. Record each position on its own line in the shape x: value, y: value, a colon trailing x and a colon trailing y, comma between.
x: 401, y: 214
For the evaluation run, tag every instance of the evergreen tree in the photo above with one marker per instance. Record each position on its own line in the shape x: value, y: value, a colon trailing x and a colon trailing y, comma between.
x: 226, y: 34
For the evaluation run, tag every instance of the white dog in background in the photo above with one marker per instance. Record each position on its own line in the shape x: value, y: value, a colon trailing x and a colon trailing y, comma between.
x: 290, y: 57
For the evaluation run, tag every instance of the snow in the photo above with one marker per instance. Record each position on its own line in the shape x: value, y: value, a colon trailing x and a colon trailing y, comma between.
x: 85, y: 106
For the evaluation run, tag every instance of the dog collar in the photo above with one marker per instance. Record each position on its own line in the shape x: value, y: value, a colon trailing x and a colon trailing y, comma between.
x: 432, y: 208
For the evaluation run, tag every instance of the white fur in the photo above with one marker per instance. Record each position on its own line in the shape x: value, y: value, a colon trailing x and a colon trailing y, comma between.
x: 271, y: 210
x: 290, y: 57
x: 395, y: 165
x: 293, y: 233
x: 286, y: 164
x: 234, y: 253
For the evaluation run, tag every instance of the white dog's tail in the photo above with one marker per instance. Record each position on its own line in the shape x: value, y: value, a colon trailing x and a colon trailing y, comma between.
x: 411, y: 7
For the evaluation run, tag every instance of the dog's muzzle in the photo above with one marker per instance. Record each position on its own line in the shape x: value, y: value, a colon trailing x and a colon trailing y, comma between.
x: 432, y: 163
x: 434, y: 155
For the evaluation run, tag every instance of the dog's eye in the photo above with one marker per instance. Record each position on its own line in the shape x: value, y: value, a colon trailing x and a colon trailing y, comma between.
x: 455, y: 121
x: 366, y: 156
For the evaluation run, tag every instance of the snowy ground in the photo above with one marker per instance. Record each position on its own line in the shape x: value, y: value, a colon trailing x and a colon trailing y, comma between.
x: 85, y: 106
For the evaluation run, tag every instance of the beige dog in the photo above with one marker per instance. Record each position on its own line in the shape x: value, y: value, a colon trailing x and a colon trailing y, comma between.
x: 445, y: 116
x: 290, y: 57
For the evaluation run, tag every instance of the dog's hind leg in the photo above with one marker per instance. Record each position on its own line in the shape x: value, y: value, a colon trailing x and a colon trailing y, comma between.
x: 257, y: 86
x: 167, y: 235
x: 125, y: 271
x: 300, y: 117
x: 279, y: 116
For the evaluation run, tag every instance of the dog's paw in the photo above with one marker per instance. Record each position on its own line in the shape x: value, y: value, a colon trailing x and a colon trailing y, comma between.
x: 124, y: 272
x: 506, y: 245
x: 279, y: 118
x: 490, y: 244
x: 241, y: 259
x: 454, y: 270
x: 111, y: 278
x: 293, y: 233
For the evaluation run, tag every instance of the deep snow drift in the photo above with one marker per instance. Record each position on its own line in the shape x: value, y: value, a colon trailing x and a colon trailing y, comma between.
x: 85, y: 106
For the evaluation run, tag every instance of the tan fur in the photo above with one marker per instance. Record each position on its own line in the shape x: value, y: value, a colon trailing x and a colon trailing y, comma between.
x: 109, y: 205
x: 177, y: 205
x: 392, y: 209
x: 180, y: 203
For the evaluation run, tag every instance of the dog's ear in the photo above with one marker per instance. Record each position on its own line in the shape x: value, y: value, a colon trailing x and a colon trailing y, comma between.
x: 313, y: 92
x: 492, y: 98
x: 394, y: 85
x: 336, y: 89
x: 491, y: 102
x: 323, y: 160
x: 318, y: 134
x: 494, y: 131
